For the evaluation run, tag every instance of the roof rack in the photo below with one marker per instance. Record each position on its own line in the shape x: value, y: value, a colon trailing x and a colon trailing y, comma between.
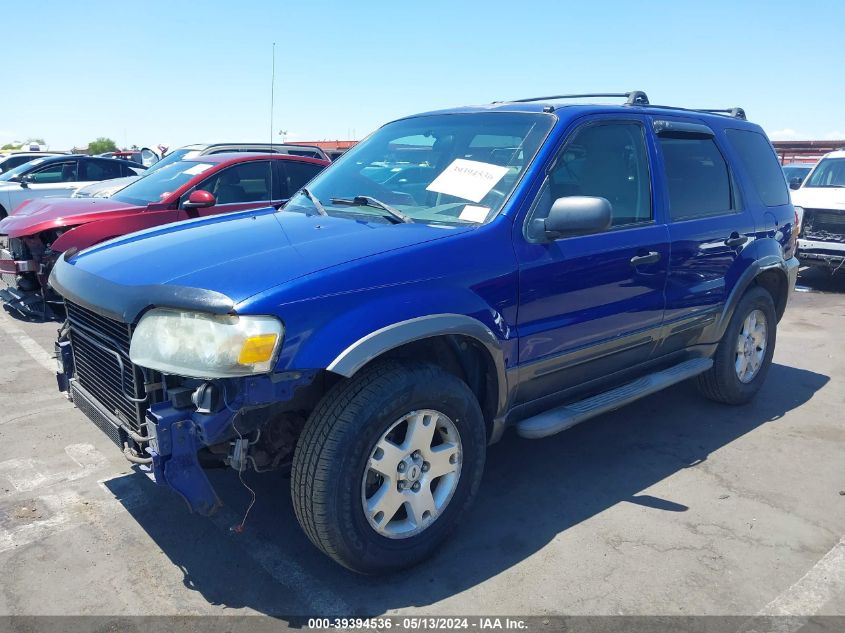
x: 737, y: 113
x: 635, y: 97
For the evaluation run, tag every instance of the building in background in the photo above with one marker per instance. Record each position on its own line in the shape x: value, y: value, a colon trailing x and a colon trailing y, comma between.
x: 333, y: 148
x: 804, y: 151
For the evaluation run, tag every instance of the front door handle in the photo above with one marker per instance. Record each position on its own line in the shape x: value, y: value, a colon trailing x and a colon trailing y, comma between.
x: 652, y: 257
x: 736, y: 239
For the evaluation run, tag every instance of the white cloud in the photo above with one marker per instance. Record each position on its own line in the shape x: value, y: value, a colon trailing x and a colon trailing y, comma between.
x: 787, y: 134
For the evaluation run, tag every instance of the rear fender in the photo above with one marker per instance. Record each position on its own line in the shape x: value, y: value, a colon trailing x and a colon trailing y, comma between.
x: 761, y: 256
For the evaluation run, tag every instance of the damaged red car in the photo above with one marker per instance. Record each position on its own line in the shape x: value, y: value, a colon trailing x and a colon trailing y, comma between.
x: 41, y: 230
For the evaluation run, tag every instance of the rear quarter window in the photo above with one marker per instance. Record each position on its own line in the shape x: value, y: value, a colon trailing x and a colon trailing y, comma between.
x: 759, y: 160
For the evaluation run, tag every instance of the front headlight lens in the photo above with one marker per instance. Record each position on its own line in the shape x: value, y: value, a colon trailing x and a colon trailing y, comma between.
x: 199, y: 345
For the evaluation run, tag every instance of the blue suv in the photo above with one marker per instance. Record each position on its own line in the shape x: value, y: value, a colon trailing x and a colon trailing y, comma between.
x: 525, y: 264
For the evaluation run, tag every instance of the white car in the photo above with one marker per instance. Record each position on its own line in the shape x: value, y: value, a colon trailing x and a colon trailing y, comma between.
x: 16, y: 159
x: 58, y: 176
x: 821, y: 197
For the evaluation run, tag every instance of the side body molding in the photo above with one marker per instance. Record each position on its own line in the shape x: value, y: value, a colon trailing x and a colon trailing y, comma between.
x: 392, y: 336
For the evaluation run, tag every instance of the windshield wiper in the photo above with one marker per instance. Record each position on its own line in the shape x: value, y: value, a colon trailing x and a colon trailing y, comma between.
x: 367, y: 201
x: 315, y: 201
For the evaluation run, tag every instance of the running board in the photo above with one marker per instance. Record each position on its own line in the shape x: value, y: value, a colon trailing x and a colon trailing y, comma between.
x: 562, y: 418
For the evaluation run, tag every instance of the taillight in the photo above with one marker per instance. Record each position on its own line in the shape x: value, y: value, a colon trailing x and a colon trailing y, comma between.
x: 796, y: 229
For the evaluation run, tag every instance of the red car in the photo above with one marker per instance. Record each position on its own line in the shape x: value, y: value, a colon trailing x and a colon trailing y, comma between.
x: 40, y: 230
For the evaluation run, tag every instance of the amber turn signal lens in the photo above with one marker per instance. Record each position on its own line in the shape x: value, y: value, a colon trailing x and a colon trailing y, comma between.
x: 257, y: 349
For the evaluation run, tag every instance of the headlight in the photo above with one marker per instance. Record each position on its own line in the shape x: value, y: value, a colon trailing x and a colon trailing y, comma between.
x: 199, y: 345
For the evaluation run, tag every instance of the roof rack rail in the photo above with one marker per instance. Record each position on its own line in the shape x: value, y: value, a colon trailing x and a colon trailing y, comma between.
x: 737, y: 113
x: 635, y: 97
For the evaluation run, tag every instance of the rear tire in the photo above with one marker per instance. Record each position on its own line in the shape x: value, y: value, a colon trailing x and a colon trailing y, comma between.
x: 745, y: 352
x: 358, y: 449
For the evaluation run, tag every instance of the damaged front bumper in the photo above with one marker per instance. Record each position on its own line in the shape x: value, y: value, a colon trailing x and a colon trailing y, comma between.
x: 24, y: 289
x: 193, y: 423
x: 821, y: 253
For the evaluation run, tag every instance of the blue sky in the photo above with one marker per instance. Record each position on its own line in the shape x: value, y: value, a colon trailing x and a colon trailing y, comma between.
x: 182, y: 72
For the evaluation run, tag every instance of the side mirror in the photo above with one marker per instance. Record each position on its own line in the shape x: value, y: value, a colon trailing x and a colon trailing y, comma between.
x: 24, y: 180
x: 574, y: 215
x: 795, y: 183
x: 199, y: 199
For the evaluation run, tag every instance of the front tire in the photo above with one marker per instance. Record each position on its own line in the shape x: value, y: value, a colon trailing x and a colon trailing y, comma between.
x: 745, y: 352
x: 387, y: 465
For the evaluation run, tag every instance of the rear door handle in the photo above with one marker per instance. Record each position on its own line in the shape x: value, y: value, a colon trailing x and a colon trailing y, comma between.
x: 736, y: 239
x: 652, y: 257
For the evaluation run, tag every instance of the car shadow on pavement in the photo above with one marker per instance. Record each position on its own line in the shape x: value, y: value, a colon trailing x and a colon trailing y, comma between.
x: 821, y: 280
x: 533, y: 491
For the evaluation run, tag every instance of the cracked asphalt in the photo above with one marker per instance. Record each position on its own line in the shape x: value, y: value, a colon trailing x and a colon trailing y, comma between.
x: 673, y: 505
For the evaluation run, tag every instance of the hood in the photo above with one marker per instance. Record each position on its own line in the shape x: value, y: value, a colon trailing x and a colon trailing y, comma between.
x: 40, y: 214
x: 235, y: 255
x: 819, y: 197
x: 104, y: 188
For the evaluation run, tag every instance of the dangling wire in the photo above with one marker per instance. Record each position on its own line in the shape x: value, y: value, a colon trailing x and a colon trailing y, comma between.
x: 239, y: 528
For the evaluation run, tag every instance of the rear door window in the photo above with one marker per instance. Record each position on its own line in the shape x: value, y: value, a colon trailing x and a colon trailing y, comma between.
x: 697, y: 177
x: 246, y: 182
x: 100, y: 169
x: 762, y: 165
x: 296, y: 175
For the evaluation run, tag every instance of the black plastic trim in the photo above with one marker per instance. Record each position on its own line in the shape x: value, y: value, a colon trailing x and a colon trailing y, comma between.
x: 663, y: 127
x: 392, y: 336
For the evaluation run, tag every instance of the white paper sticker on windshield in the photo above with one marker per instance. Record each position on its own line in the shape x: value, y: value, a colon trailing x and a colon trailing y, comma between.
x: 468, y: 179
x: 472, y: 213
x: 197, y: 169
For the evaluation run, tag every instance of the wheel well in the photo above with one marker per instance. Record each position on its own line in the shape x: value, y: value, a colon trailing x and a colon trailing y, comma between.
x: 3, y: 212
x: 462, y: 356
x: 776, y: 284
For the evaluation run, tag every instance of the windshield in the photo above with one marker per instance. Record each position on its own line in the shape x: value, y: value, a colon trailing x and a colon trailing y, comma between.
x: 830, y: 172
x: 20, y: 169
x: 156, y: 186
x: 445, y: 168
x: 172, y: 157
x: 794, y: 171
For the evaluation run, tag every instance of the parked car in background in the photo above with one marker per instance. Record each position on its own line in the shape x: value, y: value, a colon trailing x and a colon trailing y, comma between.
x: 795, y: 173
x: 40, y: 230
x: 104, y: 190
x: 822, y: 199
x: 544, y: 264
x: 144, y: 156
x: 16, y: 159
x: 58, y: 176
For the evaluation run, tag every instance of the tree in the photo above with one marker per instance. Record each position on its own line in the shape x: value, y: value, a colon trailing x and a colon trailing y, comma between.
x: 19, y: 145
x: 102, y: 145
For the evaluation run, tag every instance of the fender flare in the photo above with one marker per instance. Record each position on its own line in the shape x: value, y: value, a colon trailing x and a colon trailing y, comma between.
x: 368, y: 347
x: 744, y: 282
